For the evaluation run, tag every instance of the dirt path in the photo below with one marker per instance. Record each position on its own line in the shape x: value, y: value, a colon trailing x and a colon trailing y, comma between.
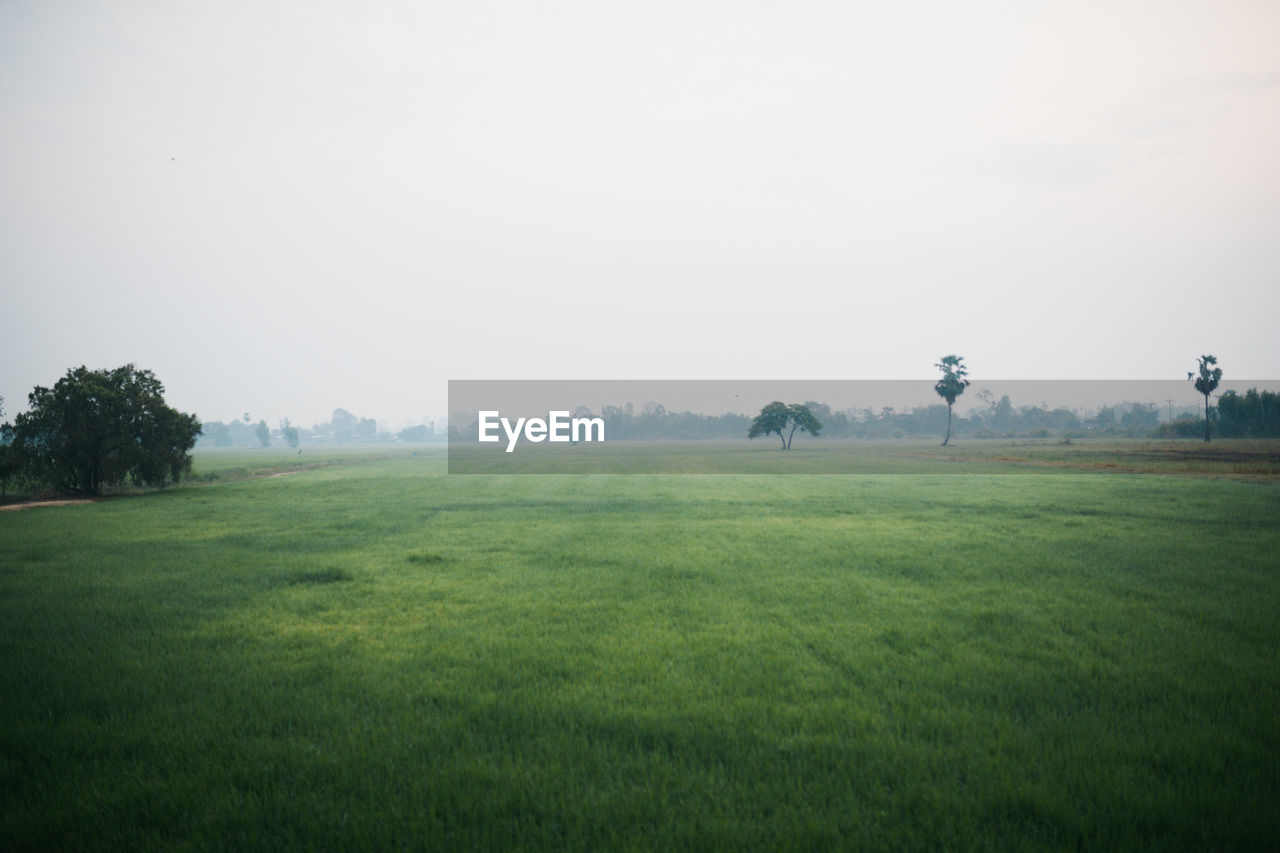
x: 62, y: 502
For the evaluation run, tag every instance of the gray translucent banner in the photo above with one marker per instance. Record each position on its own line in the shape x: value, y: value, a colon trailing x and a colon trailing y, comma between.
x: 822, y: 426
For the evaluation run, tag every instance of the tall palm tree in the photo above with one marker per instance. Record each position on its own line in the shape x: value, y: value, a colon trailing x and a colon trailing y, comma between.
x: 951, y: 385
x: 1206, y: 383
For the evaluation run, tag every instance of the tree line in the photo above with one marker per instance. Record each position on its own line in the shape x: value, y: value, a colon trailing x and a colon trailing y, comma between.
x: 99, y: 428
x: 1255, y: 414
x: 342, y: 428
x: 996, y: 418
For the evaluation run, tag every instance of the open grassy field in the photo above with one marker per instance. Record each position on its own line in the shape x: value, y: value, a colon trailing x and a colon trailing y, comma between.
x: 1240, y: 459
x: 383, y: 656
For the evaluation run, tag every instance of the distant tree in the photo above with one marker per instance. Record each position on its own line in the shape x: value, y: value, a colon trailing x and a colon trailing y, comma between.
x: 342, y: 425
x: 1141, y: 417
x: 1253, y: 414
x: 783, y: 420
x: 264, y: 433
x: 951, y: 385
x: 772, y: 419
x: 9, y: 459
x: 803, y: 419
x: 1106, y: 418
x: 1002, y: 416
x: 96, y: 427
x: 217, y: 432
x: 1206, y: 383
x: 418, y: 433
x: 290, y: 433
x: 836, y: 422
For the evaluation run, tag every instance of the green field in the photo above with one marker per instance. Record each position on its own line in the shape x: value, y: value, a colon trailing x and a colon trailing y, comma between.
x: 372, y: 654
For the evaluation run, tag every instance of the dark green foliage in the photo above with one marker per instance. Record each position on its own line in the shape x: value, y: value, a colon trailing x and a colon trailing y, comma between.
x: 783, y: 420
x: 96, y: 428
x: 10, y: 459
x: 1206, y: 383
x: 10, y: 468
x: 771, y: 420
x: 951, y: 385
x: 1253, y: 414
x: 1181, y: 428
x: 802, y: 418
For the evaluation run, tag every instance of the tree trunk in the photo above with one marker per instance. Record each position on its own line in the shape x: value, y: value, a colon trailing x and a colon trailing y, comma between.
x: 948, y: 438
x: 784, y: 439
x: 1206, y: 417
x: 791, y: 435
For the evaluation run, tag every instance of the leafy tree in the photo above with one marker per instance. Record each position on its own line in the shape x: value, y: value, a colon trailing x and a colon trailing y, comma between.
x: 264, y: 433
x: 217, y: 432
x: 343, y: 425
x: 96, y: 427
x: 1106, y: 418
x: 1206, y: 382
x: 803, y: 419
x: 951, y: 385
x: 162, y: 446
x: 783, y: 420
x: 290, y: 433
x: 1253, y: 414
x: 772, y: 419
x: 422, y: 432
x: 1002, y: 416
x: 10, y: 460
x: 1141, y: 418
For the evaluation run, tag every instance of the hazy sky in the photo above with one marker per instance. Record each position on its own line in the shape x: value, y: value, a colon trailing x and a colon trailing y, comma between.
x: 284, y: 208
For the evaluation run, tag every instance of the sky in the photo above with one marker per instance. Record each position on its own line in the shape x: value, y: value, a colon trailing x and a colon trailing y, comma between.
x: 283, y: 208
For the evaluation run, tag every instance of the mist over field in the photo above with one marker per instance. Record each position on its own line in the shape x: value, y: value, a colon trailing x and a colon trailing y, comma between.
x: 292, y: 210
x: 940, y: 339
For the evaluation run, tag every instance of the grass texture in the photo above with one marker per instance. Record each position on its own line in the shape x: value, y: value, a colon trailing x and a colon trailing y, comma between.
x: 381, y: 656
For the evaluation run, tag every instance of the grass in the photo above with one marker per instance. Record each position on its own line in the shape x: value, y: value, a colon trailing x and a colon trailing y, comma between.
x: 380, y: 656
x: 218, y: 465
x: 1251, y: 459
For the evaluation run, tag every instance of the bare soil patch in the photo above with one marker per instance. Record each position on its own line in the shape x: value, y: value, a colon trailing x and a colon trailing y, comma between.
x: 59, y: 502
